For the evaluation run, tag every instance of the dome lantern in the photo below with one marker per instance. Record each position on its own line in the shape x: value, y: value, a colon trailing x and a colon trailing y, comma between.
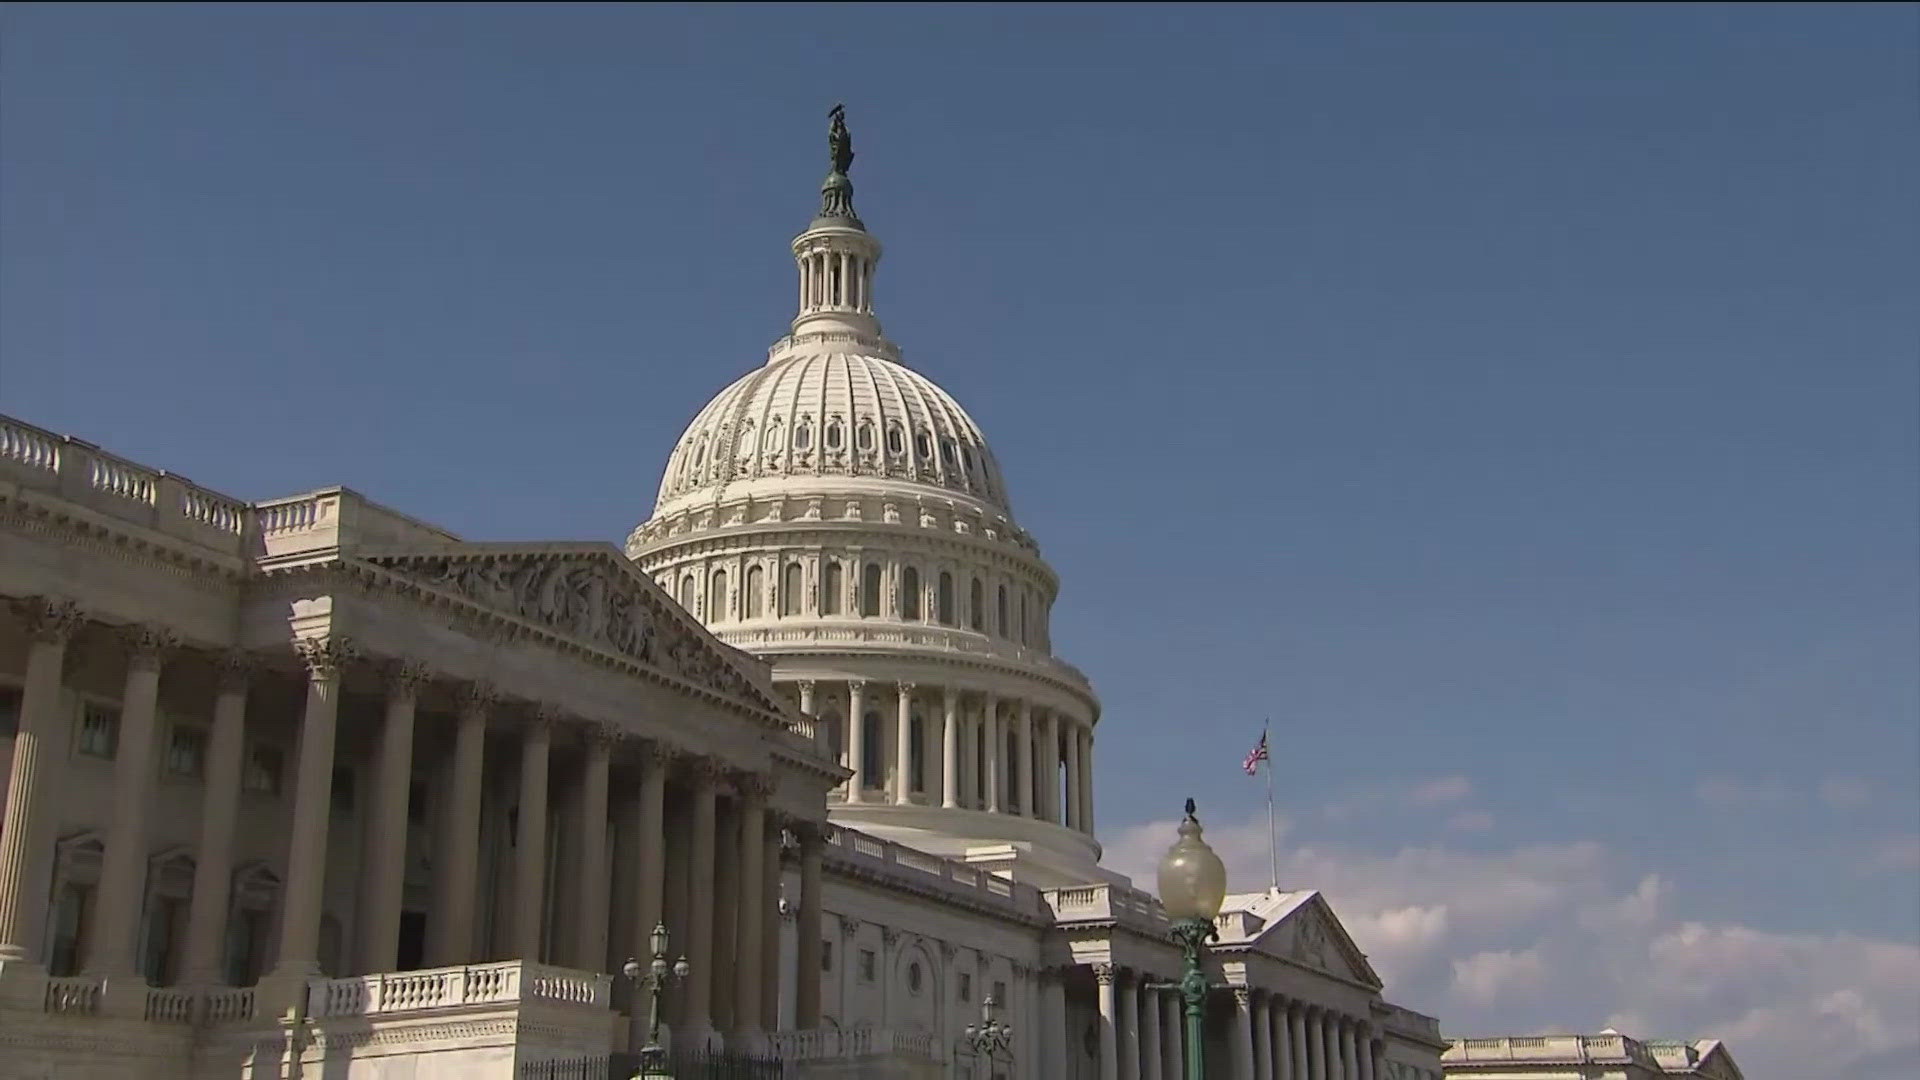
x: 836, y: 256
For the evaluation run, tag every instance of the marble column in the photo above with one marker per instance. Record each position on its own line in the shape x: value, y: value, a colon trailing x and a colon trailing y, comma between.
x: 1172, y: 1035
x: 530, y: 838
x: 1150, y: 1054
x: 770, y: 918
x: 33, y: 786
x: 1330, y: 1034
x: 702, y: 902
x: 1049, y: 766
x: 590, y: 931
x: 312, y: 806
x: 1282, y: 1042
x: 808, y: 929
x: 1242, y: 1039
x: 460, y: 853
x: 1365, y: 1049
x: 1109, y: 1017
x: 1316, y: 1044
x: 1262, y: 1042
x: 1023, y: 761
x: 386, y: 833
x: 995, y: 749
x: 1129, y: 1033
x: 749, y: 924
x: 1349, y: 1056
x: 219, y: 809
x: 1086, y: 781
x: 857, y: 740
x: 903, y: 747
x: 950, y: 749
x: 1071, y: 819
x: 649, y: 824
x: 123, y: 872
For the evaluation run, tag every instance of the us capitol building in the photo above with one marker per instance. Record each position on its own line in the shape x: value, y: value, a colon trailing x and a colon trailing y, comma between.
x: 308, y: 787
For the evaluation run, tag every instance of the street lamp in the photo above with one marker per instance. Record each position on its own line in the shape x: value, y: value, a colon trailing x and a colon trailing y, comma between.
x: 654, y: 979
x: 989, y: 1036
x: 1193, y: 885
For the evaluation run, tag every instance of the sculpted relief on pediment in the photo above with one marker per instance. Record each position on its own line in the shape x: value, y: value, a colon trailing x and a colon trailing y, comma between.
x: 584, y: 598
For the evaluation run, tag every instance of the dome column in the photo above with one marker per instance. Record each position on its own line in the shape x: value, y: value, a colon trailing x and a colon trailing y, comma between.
x: 950, y: 750
x: 1023, y: 762
x: 992, y: 748
x: 857, y: 740
x: 903, y: 748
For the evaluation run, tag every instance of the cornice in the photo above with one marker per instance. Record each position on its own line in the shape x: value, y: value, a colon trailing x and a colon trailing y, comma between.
x: 75, y: 527
x: 755, y: 535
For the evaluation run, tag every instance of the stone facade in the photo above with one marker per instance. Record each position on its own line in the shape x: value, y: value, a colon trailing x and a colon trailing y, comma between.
x: 1606, y: 1056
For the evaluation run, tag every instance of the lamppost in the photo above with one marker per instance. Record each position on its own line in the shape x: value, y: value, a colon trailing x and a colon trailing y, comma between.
x: 989, y: 1036
x: 1193, y: 885
x: 654, y: 979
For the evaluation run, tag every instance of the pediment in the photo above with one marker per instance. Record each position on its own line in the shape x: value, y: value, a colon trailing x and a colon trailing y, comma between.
x: 588, y: 593
x: 1311, y: 934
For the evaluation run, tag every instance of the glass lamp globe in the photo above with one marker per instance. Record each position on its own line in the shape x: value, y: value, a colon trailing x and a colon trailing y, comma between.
x: 1193, y: 880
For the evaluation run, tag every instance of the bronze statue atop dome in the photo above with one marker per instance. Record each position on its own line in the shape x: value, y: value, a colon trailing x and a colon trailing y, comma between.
x: 839, y: 141
x: 836, y: 193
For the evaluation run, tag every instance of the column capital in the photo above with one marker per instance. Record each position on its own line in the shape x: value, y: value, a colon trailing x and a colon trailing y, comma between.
x: 849, y: 925
x: 478, y: 696
x: 50, y: 619
x: 655, y: 754
x: 602, y: 737
x: 806, y: 685
x: 404, y: 678
x: 907, y: 688
x: 706, y: 772
x: 753, y: 787
x: 547, y: 716
x: 1105, y: 974
x: 1243, y: 996
x: 857, y: 686
x: 233, y: 669
x: 325, y: 656
x: 147, y: 645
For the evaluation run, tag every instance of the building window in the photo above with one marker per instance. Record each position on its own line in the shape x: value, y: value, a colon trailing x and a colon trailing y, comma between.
x: 99, y: 729
x: 187, y: 752
x: 870, y: 751
x: 910, y: 593
x: 863, y: 436
x: 70, y: 918
x: 896, y: 442
x: 10, y: 698
x: 917, y: 753
x: 341, y: 791
x: 802, y: 436
x: 976, y: 604
x: 416, y: 802
x: 999, y: 992
x: 914, y: 979
x: 791, y: 587
x: 165, y: 916
x: 826, y: 954
x: 834, y: 435
x: 923, y: 447
x: 264, y: 767
x: 686, y: 591
x: 870, y: 590
x: 756, y: 591
x: 834, y: 585
x: 717, y: 597
x: 943, y: 599
x: 1000, y: 624
x: 966, y: 986
x: 867, y: 963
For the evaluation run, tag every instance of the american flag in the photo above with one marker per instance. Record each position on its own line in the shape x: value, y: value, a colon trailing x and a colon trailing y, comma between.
x: 1259, y: 754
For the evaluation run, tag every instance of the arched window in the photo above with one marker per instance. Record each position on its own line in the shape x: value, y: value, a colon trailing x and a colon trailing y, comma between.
x: 923, y: 447
x: 896, y: 442
x: 756, y: 592
x: 832, y: 587
x: 835, y: 433
x: 976, y: 604
x: 790, y: 589
x: 909, y: 593
x: 946, y: 455
x: 1000, y: 623
x: 863, y: 436
x: 1023, y: 619
x: 870, y: 590
x: 802, y: 436
x: 717, y: 597
x: 686, y: 591
x: 836, y: 741
x: 870, y: 750
x: 944, y: 599
x: 1016, y: 799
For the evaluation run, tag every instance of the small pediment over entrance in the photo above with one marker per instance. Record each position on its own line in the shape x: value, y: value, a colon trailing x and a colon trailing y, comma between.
x: 1307, y: 932
x: 590, y: 594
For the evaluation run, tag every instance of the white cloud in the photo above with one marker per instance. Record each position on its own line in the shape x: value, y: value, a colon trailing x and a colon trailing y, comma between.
x: 1564, y: 937
x: 1470, y: 821
x: 1487, y: 977
x: 1897, y: 854
x: 1845, y: 792
x: 1442, y: 790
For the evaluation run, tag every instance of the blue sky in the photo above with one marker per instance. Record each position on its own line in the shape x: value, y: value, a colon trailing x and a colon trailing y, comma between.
x: 1517, y: 404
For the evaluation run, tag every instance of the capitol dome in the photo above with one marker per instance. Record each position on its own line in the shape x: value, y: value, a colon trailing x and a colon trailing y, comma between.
x: 838, y: 515
x: 809, y: 416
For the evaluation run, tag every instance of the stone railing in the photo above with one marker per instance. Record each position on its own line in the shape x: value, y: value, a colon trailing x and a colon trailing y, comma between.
x: 227, y: 1004
x: 826, y: 1044
x: 1396, y: 1018
x: 170, y: 1005
x: 82, y: 473
x: 1109, y: 903
x: 859, y: 851
x: 853, y: 633
x: 452, y: 987
x: 1568, y: 1049
x: 75, y: 996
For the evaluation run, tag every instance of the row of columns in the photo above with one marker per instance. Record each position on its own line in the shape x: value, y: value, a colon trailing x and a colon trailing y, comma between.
x: 27, y: 835
x: 970, y: 763
x: 1142, y: 1036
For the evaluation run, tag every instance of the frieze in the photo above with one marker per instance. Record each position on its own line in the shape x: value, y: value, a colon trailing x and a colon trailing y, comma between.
x: 583, y: 598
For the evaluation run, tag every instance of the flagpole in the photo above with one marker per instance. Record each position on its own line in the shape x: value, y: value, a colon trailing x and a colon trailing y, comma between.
x: 1273, y: 834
